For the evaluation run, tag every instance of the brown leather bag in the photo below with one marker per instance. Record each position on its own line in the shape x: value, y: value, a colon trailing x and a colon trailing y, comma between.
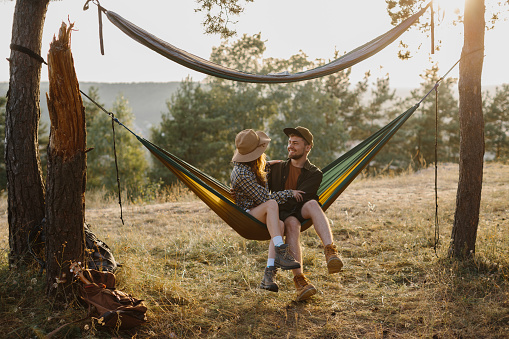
x: 112, y: 307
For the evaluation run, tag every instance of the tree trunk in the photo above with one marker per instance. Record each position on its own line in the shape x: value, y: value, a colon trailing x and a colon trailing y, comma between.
x: 24, y: 175
x: 66, y: 181
x: 468, y: 198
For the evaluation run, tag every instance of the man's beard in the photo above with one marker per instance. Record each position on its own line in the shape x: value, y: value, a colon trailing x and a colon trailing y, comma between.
x: 295, y: 156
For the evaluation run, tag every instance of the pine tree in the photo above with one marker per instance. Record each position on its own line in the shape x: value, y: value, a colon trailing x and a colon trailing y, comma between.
x: 132, y: 165
x: 415, y: 143
x: 497, y: 124
x: 191, y: 131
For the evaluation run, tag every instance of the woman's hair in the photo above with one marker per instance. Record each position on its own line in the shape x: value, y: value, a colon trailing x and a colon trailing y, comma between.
x: 258, y: 167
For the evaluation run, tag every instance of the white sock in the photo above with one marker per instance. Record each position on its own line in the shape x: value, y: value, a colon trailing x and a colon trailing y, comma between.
x: 278, y: 240
x: 270, y: 262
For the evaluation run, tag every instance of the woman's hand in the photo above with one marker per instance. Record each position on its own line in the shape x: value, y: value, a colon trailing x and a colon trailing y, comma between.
x: 298, y: 195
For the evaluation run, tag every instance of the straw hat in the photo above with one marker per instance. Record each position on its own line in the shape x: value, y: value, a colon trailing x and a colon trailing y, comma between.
x: 250, y: 145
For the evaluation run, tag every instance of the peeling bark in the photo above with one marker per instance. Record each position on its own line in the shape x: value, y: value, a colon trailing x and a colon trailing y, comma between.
x: 66, y: 181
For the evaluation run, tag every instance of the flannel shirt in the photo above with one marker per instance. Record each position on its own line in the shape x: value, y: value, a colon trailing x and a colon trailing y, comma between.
x: 249, y: 193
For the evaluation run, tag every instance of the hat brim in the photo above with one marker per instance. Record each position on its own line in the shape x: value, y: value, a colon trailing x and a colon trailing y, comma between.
x: 290, y: 130
x: 264, y: 143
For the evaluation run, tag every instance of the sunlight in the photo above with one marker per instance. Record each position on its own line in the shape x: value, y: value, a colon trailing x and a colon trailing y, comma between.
x: 449, y: 8
x: 448, y: 34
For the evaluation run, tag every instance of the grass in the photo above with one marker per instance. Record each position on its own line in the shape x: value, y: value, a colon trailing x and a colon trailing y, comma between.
x: 200, y: 279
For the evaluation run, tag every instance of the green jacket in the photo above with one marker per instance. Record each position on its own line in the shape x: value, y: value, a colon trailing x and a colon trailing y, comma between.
x: 308, y: 181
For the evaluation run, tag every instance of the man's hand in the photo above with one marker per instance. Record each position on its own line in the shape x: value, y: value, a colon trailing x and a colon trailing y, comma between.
x: 272, y: 162
x: 232, y: 193
x: 298, y: 195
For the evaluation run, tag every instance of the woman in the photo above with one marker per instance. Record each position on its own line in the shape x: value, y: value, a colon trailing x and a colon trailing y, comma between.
x: 251, y: 192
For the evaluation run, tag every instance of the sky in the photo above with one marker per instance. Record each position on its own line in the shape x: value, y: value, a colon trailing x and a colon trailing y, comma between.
x: 288, y: 26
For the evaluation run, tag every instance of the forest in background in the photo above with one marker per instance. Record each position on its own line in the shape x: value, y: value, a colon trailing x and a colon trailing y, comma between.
x: 198, y: 121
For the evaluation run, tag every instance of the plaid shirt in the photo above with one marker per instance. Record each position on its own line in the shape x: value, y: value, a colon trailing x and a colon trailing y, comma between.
x: 249, y: 193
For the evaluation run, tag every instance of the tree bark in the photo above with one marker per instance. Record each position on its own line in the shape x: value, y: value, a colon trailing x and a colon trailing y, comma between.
x: 468, y: 198
x: 24, y: 176
x: 66, y: 180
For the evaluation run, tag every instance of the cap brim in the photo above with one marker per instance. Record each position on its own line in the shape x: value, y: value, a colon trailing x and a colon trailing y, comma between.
x: 290, y: 130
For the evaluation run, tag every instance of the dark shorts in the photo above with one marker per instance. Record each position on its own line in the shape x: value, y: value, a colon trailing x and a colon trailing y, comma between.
x: 295, y: 211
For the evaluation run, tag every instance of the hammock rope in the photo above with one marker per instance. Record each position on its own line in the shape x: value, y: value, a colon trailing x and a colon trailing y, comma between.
x: 113, y: 120
x: 204, y: 66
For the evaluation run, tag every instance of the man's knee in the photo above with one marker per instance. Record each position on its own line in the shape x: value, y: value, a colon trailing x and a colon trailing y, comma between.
x: 311, y: 209
x: 312, y: 204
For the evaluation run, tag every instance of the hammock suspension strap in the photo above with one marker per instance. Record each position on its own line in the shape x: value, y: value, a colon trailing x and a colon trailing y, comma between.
x: 100, y: 11
x: 113, y: 120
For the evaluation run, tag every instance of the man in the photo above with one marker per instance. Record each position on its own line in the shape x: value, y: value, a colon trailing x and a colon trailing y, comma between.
x: 298, y: 173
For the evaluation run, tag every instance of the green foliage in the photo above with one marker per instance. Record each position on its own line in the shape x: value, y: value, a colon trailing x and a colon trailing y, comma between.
x: 132, y: 164
x: 218, y: 15
x: 496, y: 123
x: 414, y: 144
x: 191, y: 129
x: 201, y: 122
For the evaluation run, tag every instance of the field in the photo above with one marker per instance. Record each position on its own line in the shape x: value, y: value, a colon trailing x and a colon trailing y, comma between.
x: 200, y: 279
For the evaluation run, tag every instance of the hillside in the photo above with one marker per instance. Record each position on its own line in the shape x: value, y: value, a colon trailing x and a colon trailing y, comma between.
x: 147, y: 99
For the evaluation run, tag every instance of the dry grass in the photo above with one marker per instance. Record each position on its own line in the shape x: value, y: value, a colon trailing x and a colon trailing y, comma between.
x: 200, y: 279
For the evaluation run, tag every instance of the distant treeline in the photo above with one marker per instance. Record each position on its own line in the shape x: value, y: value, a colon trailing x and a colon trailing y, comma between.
x: 199, y: 122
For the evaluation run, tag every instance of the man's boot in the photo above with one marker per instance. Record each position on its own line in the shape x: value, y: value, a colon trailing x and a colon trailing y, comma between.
x: 334, y: 263
x: 305, y: 289
x: 284, y: 258
x: 268, y: 279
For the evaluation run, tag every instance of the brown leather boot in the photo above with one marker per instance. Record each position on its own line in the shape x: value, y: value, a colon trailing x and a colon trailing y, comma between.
x: 305, y: 289
x: 268, y: 282
x: 334, y: 263
x: 284, y: 258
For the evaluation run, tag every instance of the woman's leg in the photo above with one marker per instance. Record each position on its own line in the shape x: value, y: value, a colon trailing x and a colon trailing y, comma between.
x: 268, y: 213
x: 272, y: 248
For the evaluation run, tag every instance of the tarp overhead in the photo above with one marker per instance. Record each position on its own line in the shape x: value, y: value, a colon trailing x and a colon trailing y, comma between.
x: 201, y: 65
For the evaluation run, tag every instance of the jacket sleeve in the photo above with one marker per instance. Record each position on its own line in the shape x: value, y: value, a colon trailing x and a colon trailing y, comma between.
x: 281, y: 196
x: 311, y: 184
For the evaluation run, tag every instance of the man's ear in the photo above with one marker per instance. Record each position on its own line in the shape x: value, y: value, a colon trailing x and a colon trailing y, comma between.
x: 308, y: 148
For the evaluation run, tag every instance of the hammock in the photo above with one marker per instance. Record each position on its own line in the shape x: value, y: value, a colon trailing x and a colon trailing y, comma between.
x: 201, y: 65
x: 336, y: 178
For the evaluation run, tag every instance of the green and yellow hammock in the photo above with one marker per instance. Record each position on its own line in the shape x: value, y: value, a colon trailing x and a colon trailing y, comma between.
x: 336, y: 178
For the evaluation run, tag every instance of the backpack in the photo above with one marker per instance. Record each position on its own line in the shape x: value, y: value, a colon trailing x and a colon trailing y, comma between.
x: 98, y: 255
x: 112, y: 307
